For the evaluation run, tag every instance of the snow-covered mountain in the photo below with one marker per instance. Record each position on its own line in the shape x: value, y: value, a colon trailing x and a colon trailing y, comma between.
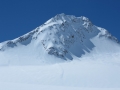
x: 66, y: 52
x: 63, y: 36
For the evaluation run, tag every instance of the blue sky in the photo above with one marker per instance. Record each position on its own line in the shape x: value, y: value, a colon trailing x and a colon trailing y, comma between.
x: 17, y: 17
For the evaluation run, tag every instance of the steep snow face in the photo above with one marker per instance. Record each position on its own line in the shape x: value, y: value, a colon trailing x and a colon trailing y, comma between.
x: 63, y: 36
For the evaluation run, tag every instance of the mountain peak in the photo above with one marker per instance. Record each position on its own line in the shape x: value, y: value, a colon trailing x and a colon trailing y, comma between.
x: 63, y: 36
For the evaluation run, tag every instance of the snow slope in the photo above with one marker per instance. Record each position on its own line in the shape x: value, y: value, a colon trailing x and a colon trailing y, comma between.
x: 14, y: 86
x: 84, y: 73
x: 63, y: 36
x: 65, y: 52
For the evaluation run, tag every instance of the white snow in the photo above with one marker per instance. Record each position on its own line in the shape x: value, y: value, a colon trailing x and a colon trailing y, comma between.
x: 65, y: 53
x: 88, y: 72
x: 17, y: 86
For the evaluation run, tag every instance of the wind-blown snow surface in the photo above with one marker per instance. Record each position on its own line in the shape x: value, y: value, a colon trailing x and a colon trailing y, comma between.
x: 66, y: 52
x: 99, y: 71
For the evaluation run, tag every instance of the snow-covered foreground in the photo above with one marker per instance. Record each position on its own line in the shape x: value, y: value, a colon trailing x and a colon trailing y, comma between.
x: 83, y: 74
x: 18, y: 86
x: 14, y: 86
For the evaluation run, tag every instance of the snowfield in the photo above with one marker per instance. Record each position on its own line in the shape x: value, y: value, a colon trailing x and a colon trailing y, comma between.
x: 14, y: 86
x: 80, y: 74
x: 99, y: 71
x: 65, y: 53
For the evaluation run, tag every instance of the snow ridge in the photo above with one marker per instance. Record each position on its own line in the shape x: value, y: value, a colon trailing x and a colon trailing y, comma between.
x: 63, y: 36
